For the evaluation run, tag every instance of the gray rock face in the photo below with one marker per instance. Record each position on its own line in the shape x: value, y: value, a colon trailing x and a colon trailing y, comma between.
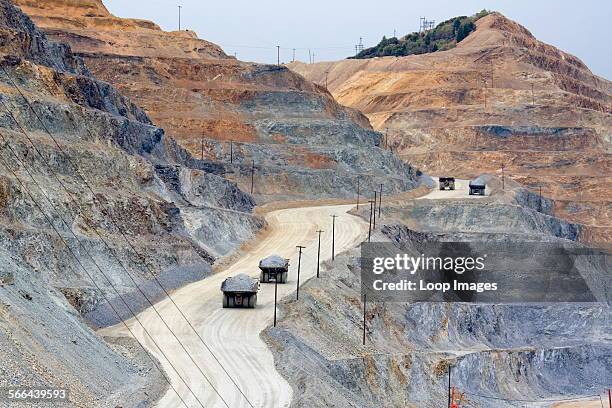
x: 310, y: 152
x: 491, y: 218
x: 20, y: 37
x: 44, y: 343
x: 280, y: 172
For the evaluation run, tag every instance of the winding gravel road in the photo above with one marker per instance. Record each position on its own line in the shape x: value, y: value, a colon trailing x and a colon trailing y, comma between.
x: 233, y: 334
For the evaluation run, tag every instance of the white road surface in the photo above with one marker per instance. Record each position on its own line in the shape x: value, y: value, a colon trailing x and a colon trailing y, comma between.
x: 233, y: 334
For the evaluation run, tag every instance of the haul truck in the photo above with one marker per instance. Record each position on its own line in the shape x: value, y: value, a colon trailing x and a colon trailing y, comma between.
x: 240, y: 291
x: 478, y: 186
x: 447, y: 183
x: 274, y: 268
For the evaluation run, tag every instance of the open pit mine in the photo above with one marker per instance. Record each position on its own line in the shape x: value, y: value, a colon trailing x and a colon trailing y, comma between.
x: 182, y: 229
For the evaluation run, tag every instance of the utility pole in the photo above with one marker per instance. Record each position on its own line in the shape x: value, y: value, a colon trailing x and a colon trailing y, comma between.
x: 532, y: 96
x: 449, y: 385
x: 359, y: 47
x: 231, y: 151
x: 293, y: 60
x: 370, y: 227
x: 202, y: 147
x: 313, y: 57
x: 503, y: 178
x: 309, y: 57
x: 319, y: 253
x: 275, y: 298
x: 364, y: 318
x: 540, y: 199
x: 179, y: 8
x: 357, y: 192
x: 484, y: 91
x: 334, y: 236
x: 278, y: 55
x: 297, y: 291
x: 252, y: 176
x: 375, y: 209
x: 326, y: 74
x: 380, y: 200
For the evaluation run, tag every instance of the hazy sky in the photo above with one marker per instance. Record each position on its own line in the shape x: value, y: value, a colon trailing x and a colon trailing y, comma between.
x: 331, y: 28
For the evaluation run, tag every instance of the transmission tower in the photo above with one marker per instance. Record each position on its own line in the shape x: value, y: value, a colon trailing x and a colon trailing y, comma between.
x: 426, y: 25
x: 359, y: 47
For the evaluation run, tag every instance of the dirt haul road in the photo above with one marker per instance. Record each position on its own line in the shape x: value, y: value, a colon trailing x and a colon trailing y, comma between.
x: 233, y: 334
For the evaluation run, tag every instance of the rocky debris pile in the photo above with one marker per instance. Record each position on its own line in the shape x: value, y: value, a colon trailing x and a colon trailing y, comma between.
x: 233, y: 114
x: 501, y: 354
x: 96, y: 205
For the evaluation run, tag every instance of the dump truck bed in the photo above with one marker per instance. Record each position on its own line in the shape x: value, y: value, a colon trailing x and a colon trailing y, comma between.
x: 240, y: 284
x: 478, y: 182
x: 274, y: 262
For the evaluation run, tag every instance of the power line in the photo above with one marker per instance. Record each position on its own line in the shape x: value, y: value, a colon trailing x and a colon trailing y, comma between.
x: 271, y: 47
x: 39, y: 207
x: 141, y: 257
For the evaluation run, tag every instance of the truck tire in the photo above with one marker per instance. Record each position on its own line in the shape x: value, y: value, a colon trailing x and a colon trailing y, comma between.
x: 252, y: 301
x: 284, y: 277
x: 225, y: 301
x: 230, y: 302
x: 262, y: 277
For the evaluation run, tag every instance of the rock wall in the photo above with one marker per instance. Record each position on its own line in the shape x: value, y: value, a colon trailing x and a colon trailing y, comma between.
x: 502, y: 355
x: 97, y: 205
x: 207, y: 100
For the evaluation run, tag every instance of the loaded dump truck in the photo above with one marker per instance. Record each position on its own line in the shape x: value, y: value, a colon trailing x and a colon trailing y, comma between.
x: 478, y: 186
x: 274, y: 268
x: 447, y: 183
x: 240, y: 291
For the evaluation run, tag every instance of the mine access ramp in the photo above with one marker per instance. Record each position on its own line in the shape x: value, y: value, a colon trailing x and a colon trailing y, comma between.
x: 240, y: 291
x: 274, y: 268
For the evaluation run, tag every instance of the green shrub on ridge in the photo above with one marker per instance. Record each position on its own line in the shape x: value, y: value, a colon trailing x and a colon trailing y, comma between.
x: 443, y: 37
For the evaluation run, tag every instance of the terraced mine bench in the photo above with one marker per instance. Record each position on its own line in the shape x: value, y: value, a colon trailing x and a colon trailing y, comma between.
x: 274, y: 268
x: 447, y: 183
x: 240, y: 291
